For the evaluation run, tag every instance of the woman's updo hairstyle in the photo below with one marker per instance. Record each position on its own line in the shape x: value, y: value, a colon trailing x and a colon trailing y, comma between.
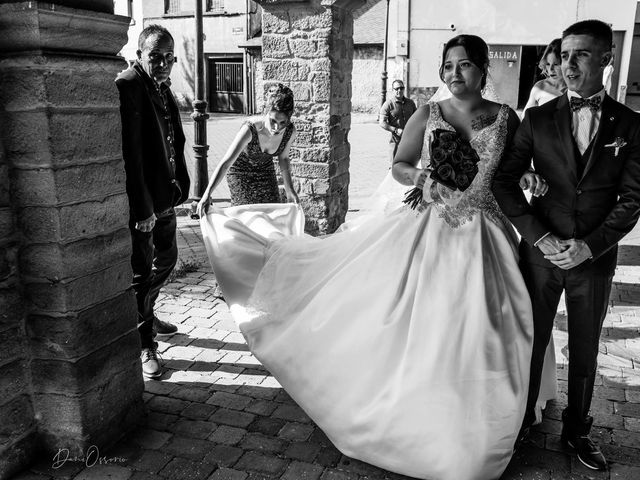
x: 477, y: 51
x: 279, y: 98
x: 554, y: 47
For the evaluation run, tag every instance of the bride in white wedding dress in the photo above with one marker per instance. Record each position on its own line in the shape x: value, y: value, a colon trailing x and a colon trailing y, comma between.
x: 408, y: 338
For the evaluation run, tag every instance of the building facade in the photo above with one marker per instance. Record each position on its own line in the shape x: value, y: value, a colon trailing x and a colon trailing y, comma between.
x: 516, y: 31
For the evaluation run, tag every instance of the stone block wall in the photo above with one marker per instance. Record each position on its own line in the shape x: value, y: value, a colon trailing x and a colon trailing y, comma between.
x: 309, y: 46
x: 69, y: 367
x: 18, y: 441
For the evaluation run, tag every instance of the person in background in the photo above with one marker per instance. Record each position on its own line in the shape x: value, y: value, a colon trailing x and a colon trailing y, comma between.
x: 394, y: 115
x: 552, y: 85
x: 157, y: 179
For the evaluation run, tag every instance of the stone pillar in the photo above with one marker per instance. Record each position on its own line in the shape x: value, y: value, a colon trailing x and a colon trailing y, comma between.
x: 69, y: 363
x: 308, y: 44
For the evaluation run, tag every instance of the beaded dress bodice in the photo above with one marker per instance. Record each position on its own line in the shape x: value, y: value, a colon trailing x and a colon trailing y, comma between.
x: 489, y: 143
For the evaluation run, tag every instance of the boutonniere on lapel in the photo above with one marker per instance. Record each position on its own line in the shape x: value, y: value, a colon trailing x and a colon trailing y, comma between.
x: 618, y: 143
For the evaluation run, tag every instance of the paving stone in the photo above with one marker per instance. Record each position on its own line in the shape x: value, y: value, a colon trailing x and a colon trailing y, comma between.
x: 191, y: 448
x: 331, y: 474
x: 229, y: 400
x: 302, y: 471
x: 159, y: 388
x: 303, y: 451
x: 632, y: 396
x: 104, y: 472
x: 182, y: 352
x: 318, y: 436
x: 296, y: 432
x: 167, y: 405
x: 183, y: 469
x: 266, y: 425
x: 149, y: 438
x: 261, y: 392
x: 219, y: 387
x: 151, y: 461
x: 632, y: 424
x: 194, y: 428
x: 627, y: 439
x: 232, y: 418
x: 261, y: 407
x: 227, y: 435
x: 191, y: 393
x: 262, y: 443
x: 608, y: 421
x: 198, y: 411
x: 627, y: 409
x: 160, y: 421
x: 265, y: 464
x: 292, y: 413
x: 329, y: 456
x: 228, y: 474
x: 26, y: 475
x: 620, y: 454
x: 208, y: 343
x: 624, y: 472
x: 607, y: 393
x: 223, y: 455
x: 144, y: 476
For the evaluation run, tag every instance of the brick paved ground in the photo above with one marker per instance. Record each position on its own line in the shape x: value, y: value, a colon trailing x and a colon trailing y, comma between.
x: 217, y: 414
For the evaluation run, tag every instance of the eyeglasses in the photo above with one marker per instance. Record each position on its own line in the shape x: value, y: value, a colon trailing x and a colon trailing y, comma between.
x: 398, y: 88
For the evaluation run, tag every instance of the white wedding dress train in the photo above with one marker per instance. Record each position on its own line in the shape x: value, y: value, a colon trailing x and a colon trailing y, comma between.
x: 406, y: 339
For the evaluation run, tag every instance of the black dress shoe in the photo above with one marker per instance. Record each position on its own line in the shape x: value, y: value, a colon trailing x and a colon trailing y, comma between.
x: 160, y: 327
x: 588, y: 452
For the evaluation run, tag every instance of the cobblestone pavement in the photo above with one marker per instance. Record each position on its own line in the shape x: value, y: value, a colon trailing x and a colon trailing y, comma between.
x: 217, y: 414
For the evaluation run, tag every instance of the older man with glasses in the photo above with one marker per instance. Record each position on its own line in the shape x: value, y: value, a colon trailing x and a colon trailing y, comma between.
x: 394, y: 115
x: 157, y: 179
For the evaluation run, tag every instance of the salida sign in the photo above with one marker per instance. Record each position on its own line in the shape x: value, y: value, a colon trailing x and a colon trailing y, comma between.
x: 503, y: 54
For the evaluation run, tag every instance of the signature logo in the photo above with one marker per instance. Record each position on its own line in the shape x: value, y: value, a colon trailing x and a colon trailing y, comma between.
x: 90, y: 458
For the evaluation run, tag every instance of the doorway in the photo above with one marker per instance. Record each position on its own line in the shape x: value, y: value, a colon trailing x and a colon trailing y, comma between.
x: 226, y: 85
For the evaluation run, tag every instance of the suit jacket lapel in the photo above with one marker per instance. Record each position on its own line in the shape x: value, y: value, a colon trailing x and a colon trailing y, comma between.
x: 562, y: 118
x: 607, y: 122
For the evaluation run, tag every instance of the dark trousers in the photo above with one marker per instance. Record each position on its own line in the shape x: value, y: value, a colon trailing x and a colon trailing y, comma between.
x: 154, y: 255
x: 587, y: 296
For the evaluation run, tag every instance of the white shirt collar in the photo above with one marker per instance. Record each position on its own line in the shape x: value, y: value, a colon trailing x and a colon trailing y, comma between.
x: 571, y: 93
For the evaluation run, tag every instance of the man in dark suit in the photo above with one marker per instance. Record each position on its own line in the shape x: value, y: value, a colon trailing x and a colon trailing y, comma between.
x: 587, y: 147
x: 157, y: 178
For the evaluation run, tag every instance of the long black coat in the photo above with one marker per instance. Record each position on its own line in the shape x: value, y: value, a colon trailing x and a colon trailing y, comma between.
x: 152, y: 184
x: 600, y: 207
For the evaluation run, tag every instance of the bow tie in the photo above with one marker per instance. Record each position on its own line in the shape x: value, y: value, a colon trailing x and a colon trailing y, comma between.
x: 576, y: 103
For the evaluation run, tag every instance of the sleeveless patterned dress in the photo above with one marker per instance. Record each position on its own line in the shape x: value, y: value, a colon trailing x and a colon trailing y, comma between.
x: 252, y: 177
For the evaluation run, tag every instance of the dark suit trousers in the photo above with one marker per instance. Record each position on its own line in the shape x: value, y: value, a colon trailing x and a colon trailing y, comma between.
x: 154, y: 255
x: 587, y: 296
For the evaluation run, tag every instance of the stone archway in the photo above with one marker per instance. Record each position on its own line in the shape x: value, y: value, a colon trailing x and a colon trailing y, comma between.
x: 308, y: 44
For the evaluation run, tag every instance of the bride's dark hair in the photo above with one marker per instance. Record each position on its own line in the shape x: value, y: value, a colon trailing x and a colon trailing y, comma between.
x: 476, y: 49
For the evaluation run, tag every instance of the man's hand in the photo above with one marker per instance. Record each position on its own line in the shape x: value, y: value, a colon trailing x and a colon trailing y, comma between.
x: 574, y: 253
x: 550, y: 245
x: 534, y: 183
x: 146, y: 225
x: 398, y: 131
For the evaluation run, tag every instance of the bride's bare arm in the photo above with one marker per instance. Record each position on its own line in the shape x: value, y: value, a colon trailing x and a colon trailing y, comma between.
x: 405, y: 163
